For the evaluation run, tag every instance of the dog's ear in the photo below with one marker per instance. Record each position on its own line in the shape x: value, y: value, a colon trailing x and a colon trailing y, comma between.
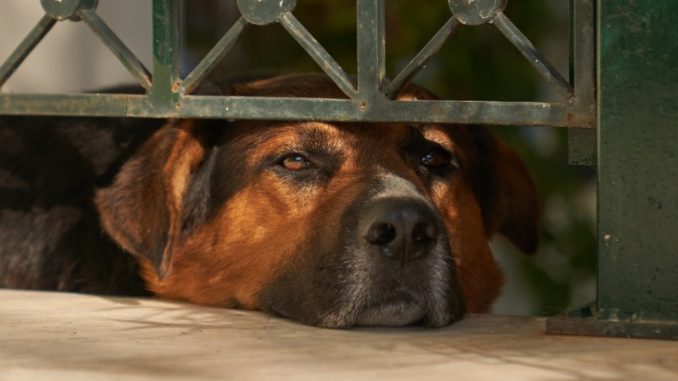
x: 143, y: 210
x: 519, y: 198
x: 511, y: 202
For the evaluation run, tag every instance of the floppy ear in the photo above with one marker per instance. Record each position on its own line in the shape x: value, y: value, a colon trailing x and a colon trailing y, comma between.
x: 510, y: 199
x: 519, y: 200
x: 143, y: 209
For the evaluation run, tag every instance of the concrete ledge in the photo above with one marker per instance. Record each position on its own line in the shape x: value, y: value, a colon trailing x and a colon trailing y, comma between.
x: 59, y: 336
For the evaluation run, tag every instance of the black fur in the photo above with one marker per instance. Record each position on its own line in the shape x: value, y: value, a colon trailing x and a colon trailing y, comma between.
x: 49, y: 227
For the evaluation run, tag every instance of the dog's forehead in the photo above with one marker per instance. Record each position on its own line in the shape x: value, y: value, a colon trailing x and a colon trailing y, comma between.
x: 310, y: 86
x: 276, y: 136
x: 339, y: 136
x: 267, y: 138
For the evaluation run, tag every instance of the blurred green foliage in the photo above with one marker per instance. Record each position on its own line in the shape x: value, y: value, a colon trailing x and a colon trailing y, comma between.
x: 476, y: 63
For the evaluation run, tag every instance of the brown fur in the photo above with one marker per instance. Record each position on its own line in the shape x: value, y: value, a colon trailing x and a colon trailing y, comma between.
x: 212, y: 220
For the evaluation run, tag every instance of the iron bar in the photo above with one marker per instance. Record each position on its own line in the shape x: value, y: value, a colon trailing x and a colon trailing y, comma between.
x: 269, y: 108
x: 371, y: 49
x: 583, y: 55
x: 419, y: 61
x: 582, y: 142
x: 25, y: 47
x: 119, y: 49
x: 68, y: 104
x: 528, y: 50
x: 339, y: 110
x: 165, y: 92
x: 211, y: 60
x: 318, y: 53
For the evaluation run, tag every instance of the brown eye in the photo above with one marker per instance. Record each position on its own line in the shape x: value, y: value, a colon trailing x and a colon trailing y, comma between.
x: 435, y: 159
x: 295, y: 163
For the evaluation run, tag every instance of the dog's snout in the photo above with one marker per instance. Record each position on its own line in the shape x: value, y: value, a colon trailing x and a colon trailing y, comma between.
x: 400, y: 229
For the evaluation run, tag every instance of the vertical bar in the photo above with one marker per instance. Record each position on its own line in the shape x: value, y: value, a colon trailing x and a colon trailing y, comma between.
x: 638, y: 160
x: 371, y: 49
x: 166, y: 54
x: 583, y: 56
x: 572, y: 38
x: 25, y: 48
x: 582, y: 142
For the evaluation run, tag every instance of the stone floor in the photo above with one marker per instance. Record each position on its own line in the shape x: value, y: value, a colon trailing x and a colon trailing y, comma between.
x: 59, y: 336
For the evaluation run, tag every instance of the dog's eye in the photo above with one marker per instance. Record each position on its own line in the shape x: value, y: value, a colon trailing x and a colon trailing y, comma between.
x: 295, y: 162
x: 435, y: 159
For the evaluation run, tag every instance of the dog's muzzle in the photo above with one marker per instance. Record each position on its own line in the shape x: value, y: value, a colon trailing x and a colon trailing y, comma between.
x: 401, y: 269
x: 390, y: 264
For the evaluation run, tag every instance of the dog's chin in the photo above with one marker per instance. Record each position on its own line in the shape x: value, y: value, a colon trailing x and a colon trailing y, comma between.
x: 392, y: 314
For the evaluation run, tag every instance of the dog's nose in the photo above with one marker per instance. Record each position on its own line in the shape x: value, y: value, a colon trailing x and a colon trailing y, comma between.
x: 401, y: 229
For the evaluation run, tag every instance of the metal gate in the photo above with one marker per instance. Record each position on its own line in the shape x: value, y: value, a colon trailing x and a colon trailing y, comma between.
x: 637, y: 51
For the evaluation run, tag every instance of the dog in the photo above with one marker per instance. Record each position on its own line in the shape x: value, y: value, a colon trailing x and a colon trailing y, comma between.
x: 328, y: 224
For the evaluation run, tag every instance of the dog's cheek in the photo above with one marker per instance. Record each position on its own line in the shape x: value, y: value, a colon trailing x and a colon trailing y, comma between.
x: 314, y: 286
x: 478, y: 273
x: 307, y: 290
x: 227, y: 261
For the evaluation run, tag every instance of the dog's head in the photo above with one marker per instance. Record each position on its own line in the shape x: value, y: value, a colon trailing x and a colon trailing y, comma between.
x: 331, y: 224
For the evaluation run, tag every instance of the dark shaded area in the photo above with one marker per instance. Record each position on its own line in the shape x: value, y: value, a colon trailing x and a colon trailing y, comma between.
x: 49, y: 170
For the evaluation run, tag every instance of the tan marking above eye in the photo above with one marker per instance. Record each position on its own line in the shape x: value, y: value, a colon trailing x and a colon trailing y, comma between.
x: 436, y: 133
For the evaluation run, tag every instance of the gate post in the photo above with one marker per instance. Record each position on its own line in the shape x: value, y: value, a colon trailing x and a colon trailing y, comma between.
x: 637, y: 173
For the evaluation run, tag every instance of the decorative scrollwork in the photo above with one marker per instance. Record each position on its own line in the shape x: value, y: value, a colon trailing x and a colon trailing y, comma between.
x: 370, y: 95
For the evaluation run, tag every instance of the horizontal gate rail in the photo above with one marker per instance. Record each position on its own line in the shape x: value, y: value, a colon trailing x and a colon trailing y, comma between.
x: 270, y: 108
x: 369, y: 99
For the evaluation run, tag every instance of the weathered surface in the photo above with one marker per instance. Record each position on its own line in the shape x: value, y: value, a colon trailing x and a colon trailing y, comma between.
x: 59, y: 336
x: 638, y: 161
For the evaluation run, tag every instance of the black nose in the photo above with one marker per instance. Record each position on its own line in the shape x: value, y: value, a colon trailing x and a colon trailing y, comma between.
x: 401, y: 229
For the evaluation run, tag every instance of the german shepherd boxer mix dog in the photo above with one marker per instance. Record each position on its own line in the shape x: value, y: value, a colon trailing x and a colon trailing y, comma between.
x: 329, y: 224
